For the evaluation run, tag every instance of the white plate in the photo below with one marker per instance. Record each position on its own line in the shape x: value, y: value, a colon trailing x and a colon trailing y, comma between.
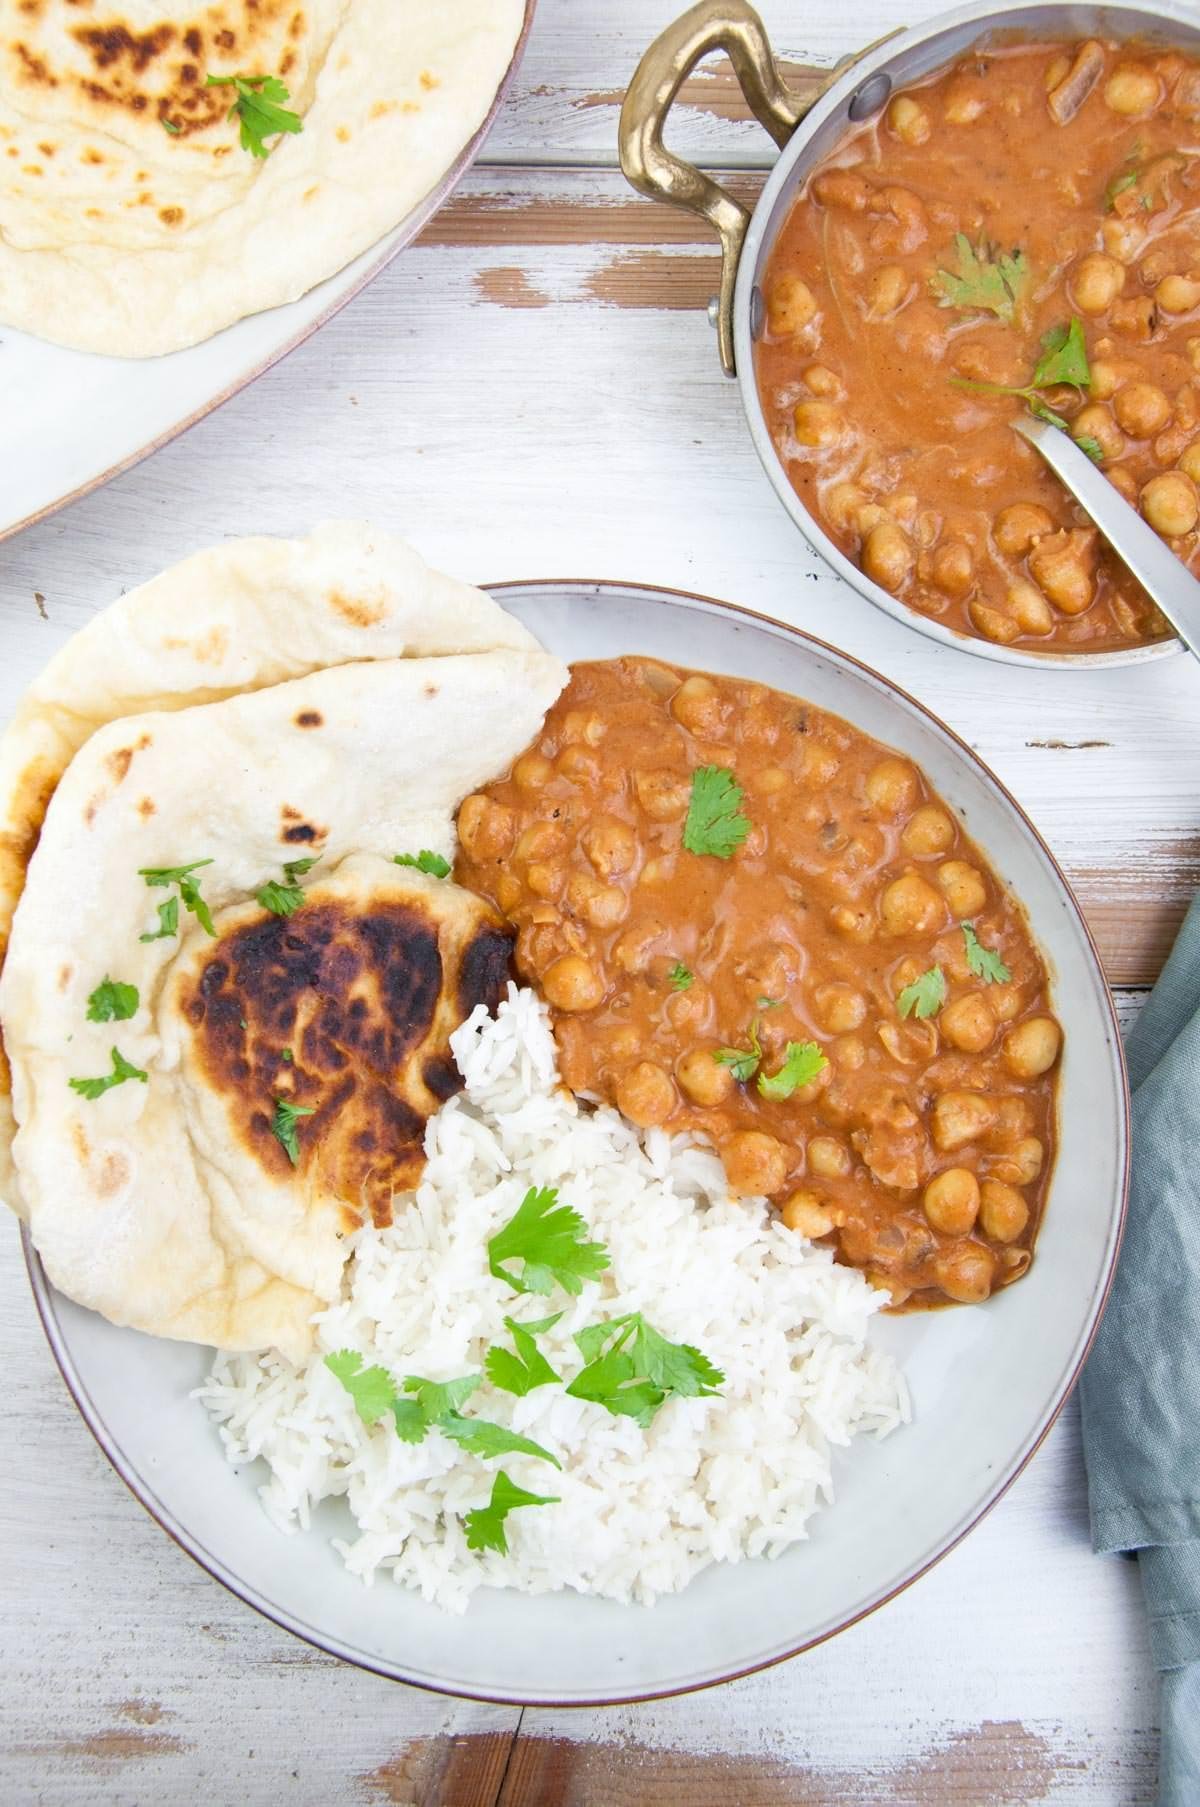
x: 987, y: 1381
x: 71, y: 419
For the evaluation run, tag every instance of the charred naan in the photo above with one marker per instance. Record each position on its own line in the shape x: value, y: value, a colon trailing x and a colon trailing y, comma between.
x: 134, y: 221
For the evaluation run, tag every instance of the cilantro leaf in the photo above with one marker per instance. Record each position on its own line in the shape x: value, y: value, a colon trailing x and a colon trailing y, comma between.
x: 742, y: 1064
x: 528, y: 1368
x: 437, y: 1397
x: 1118, y: 185
x: 485, y: 1524
x: 679, y: 978
x: 675, y: 1367
x: 410, y: 1421
x: 432, y: 863
x: 168, y: 921
x: 769, y: 1003
x: 189, y: 892
x: 485, y: 1439
x: 283, y: 1126
x: 988, y: 280
x: 631, y: 1369
x: 294, y: 869
x: 549, y: 1238
x: 258, y: 109
x: 281, y: 900
x: 372, y: 1389
x: 715, y: 823
x: 112, y: 1002
x: 168, y: 125
x: 802, y: 1062
x: 925, y: 996
x: 1064, y: 358
x: 1091, y: 446
x: 170, y: 875
x: 121, y: 1071
x: 611, y: 1381
x: 985, y: 964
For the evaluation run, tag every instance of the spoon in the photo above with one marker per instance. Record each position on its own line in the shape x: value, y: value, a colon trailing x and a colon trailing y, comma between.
x: 1168, y: 582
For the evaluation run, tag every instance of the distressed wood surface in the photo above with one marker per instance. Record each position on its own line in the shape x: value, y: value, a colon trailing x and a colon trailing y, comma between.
x: 533, y: 391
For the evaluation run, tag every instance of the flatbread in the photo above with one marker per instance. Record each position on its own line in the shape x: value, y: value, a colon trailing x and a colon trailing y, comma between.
x: 120, y: 236
x: 169, y: 1204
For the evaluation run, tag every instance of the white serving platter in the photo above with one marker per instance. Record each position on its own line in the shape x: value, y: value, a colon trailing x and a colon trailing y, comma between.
x: 71, y: 420
x: 987, y: 1381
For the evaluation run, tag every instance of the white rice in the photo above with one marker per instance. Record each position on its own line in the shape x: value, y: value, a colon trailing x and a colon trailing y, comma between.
x: 640, y: 1512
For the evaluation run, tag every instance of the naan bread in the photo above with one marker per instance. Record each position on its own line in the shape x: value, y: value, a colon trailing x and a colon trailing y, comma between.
x: 170, y: 1205
x: 120, y: 236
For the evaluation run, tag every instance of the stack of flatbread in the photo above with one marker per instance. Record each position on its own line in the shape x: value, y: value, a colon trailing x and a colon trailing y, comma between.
x: 134, y: 219
x: 225, y: 1006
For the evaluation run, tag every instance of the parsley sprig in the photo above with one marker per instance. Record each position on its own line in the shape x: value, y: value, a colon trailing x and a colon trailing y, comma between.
x: 122, y: 1070
x: 112, y: 1002
x: 421, y: 1405
x: 631, y: 1370
x: 528, y: 1368
x: 987, y: 279
x: 983, y: 962
x: 485, y: 1524
x: 802, y: 1063
x: 257, y: 107
x: 1064, y: 361
x: 925, y: 996
x: 286, y: 898
x: 550, y: 1239
x: 435, y: 864
x: 715, y: 823
x: 189, y: 895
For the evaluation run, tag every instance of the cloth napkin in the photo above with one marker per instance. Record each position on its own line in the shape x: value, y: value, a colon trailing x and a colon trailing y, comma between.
x: 1140, y: 1390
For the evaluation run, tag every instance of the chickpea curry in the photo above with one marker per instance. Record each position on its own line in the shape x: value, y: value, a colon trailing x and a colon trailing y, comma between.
x: 1021, y: 230
x: 756, y: 924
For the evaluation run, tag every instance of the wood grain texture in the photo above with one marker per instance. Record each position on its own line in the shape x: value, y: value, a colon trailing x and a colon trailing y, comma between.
x: 533, y: 390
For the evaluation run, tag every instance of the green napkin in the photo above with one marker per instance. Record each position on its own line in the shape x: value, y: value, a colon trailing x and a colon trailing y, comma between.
x: 1140, y: 1390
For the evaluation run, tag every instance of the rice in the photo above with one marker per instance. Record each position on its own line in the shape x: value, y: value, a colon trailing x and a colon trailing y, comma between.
x: 640, y: 1512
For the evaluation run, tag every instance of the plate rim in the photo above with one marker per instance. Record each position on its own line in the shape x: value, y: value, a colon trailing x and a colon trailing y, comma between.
x: 595, y: 589
x: 408, y: 227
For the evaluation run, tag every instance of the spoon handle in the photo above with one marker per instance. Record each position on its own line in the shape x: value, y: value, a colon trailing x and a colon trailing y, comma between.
x: 1165, y: 578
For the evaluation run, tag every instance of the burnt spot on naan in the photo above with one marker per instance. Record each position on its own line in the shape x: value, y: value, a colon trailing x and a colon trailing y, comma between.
x: 345, y: 1010
x: 309, y: 718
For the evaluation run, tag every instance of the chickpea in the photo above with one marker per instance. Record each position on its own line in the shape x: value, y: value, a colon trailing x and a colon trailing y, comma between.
x: 572, y: 983
x: 840, y: 1008
x: 697, y: 706
x: 1032, y: 1047
x: 993, y: 624
x: 662, y: 795
x: 1020, y: 526
x: 508, y: 892
x: 807, y: 1216
x: 1029, y: 608
x: 887, y: 290
x: 820, y: 380
x: 1096, y: 282
x: 633, y: 950
x: 1123, y: 237
x: 1062, y: 567
x: 963, y: 888
x: 1178, y: 294
x: 486, y: 829
x: 967, y: 1023
x: 818, y: 423
x: 610, y: 845
x: 848, y: 1053
x: 755, y: 1164
x: 887, y: 556
x: 963, y: 108
x: 1169, y: 503
x: 580, y: 766
x: 581, y: 727
x: 965, y: 1272
x: 769, y: 781
x: 645, y: 1094
x: 928, y: 830
x: 891, y: 786
x: 705, y: 1081
x: 602, y: 906
x: 539, y: 839
x: 1005, y: 1001
x: 951, y: 1200
x: 828, y: 1158
x: 1096, y: 422
x: 910, y: 906
x: 959, y: 1118
x: 791, y: 306
x: 840, y: 505
x: 1003, y: 1213
x: 953, y: 569
x: 1107, y: 378
x: 545, y: 878
x: 532, y: 772
x: 1142, y: 409
x: 909, y: 120
x: 1131, y: 89
x: 1020, y: 1164
x: 843, y: 188
x: 854, y: 924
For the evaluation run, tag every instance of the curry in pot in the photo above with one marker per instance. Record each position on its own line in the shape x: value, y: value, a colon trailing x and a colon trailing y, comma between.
x: 755, y: 923
x: 1020, y: 231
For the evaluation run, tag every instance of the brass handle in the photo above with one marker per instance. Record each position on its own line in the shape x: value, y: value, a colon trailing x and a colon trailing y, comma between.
x: 734, y: 27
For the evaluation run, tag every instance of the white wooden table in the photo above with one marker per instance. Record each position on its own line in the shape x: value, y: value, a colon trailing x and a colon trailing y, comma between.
x: 533, y: 390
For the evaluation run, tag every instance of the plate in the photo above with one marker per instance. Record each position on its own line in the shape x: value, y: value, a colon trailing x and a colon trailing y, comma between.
x: 72, y: 420
x: 987, y: 1381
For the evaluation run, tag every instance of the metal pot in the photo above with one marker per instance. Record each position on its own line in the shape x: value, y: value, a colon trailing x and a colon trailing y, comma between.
x: 807, y: 118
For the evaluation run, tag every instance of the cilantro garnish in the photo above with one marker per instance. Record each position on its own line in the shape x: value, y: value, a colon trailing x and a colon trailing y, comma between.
x: 425, y: 861
x: 189, y: 892
x: 769, y: 1003
x: 528, y: 1368
x: 168, y: 921
x: 987, y: 279
x: 168, y: 125
x: 742, y: 1063
x: 281, y: 900
x: 436, y: 1397
x: 631, y: 1369
x: 424, y: 1404
x: 294, y: 869
x: 802, y: 1062
x: 121, y: 1071
x: 485, y: 1524
x: 985, y: 964
x: 549, y: 1239
x: 679, y: 978
x: 715, y: 823
x: 112, y: 1002
x: 283, y: 1126
x: 1091, y: 446
x: 482, y: 1438
x: 257, y: 108
x: 371, y: 1389
x: 925, y: 996
x: 1064, y: 360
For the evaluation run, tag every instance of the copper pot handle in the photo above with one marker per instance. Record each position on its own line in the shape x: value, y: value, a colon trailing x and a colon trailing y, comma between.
x: 734, y: 27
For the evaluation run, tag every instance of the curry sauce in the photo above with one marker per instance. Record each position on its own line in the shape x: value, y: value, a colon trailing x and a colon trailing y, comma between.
x: 853, y: 941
